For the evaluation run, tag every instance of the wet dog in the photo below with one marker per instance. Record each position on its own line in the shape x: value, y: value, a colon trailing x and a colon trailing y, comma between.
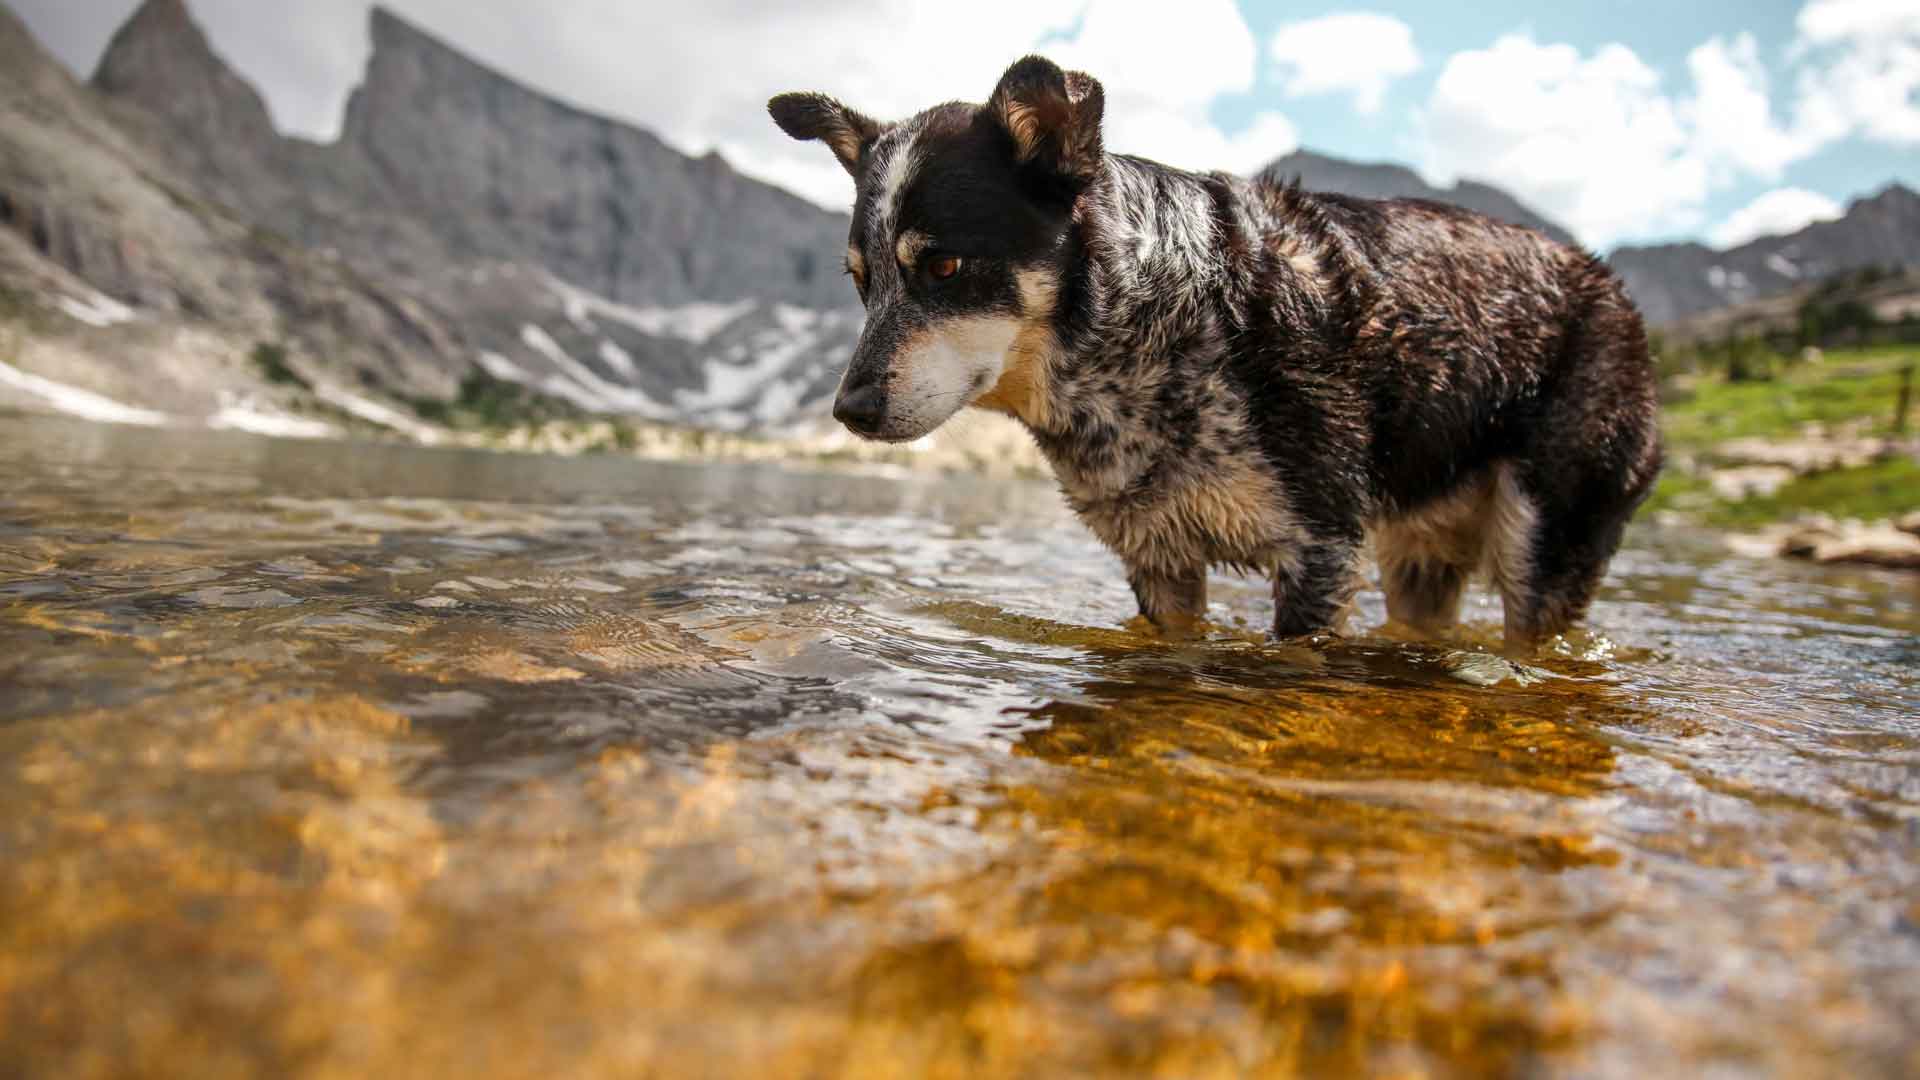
x: 1239, y: 373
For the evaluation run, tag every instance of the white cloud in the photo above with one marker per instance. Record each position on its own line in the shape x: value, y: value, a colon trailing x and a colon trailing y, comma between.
x: 1862, y: 70
x: 1361, y: 53
x: 1162, y: 77
x: 1589, y: 140
x: 1731, y: 113
x: 1776, y: 213
x: 1597, y: 142
x: 1842, y: 20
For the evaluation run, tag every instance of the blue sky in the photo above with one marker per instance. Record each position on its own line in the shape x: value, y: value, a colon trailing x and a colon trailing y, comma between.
x: 1628, y: 121
x: 1660, y: 34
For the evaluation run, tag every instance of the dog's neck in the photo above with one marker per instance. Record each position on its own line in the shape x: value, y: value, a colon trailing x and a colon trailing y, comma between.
x: 1154, y: 264
x: 1149, y: 248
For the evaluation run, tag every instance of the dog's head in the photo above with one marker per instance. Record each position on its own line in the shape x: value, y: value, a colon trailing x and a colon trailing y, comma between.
x: 960, y: 223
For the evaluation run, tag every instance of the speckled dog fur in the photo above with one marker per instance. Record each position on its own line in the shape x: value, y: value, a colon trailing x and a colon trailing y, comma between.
x: 1238, y: 373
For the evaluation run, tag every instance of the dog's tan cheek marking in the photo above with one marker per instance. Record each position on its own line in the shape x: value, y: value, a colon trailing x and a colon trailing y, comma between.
x: 1024, y: 389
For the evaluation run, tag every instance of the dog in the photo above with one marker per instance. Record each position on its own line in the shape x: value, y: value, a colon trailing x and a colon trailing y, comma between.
x: 1239, y: 373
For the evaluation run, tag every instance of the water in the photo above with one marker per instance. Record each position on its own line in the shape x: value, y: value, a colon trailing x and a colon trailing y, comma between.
x: 333, y: 760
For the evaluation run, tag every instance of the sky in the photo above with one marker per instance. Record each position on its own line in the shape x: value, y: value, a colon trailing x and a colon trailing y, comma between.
x: 1628, y: 121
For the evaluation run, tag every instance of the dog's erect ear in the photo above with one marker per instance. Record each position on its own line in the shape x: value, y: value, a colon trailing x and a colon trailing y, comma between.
x: 817, y: 116
x: 1053, y: 117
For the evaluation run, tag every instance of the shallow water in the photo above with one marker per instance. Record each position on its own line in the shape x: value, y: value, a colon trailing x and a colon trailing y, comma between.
x: 326, y: 760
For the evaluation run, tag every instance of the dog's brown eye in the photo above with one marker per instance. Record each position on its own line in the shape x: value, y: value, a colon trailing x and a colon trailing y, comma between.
x: 943, y: 267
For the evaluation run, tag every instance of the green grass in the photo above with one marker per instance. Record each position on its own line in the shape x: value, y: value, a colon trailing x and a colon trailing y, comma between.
x: 1678, y: 491
x: 270, y: 361
x: 1847, y: 387
x: 1853, y: 384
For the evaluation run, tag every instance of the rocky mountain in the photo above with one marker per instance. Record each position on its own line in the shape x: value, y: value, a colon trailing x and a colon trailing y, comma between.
x: 461, y: 224
x: 482, y: 167
x: 1673, y: 282
x: 1317, y: 172
x: 1886, y: 297
x: 119, y: 283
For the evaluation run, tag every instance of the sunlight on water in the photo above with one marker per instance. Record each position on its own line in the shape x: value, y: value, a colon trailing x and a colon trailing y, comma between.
x: 345, y: 760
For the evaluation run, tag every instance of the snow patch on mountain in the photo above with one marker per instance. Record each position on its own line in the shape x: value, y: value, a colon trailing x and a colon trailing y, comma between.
x: 375, y: 413
x: 618, y: 359
x: 77, y: 402
x: 582, y: 386
x: 503, y: 369
x: 796, y: 334
x: 241, y: 412
x: 97, y: 310
x: 696, y: 322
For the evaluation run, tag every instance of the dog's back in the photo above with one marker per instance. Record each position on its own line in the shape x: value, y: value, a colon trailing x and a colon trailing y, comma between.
x: 1510, y: 394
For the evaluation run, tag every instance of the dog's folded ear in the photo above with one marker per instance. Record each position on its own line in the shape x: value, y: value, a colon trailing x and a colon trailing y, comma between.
x: 1052, y: 116
x: 816, y: 116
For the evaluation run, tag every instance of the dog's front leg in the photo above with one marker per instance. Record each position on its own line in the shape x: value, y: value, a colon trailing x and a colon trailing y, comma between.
x: 1313, y: 590
x: 1173, y: 602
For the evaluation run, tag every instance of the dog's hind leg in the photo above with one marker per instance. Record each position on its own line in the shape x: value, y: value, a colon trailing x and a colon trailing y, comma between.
x: 1562, y: 503
x: 1549, y: 555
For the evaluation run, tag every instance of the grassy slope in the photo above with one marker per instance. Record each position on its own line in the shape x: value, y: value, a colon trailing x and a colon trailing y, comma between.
x: 1858, y: 385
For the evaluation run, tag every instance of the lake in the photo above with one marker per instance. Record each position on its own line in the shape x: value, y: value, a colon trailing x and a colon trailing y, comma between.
x: 325, y: 759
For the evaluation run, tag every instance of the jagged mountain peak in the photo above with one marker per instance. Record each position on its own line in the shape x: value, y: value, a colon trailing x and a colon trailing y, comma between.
x: 162, y: 58
x: 411, y: 67
x: 136, y: 48
x: 1895, y: 195
x: 21, y: 57
x: 392, y: 32
x: 15, y: 38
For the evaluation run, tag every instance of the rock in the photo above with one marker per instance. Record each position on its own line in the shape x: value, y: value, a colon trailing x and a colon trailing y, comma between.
x: 1748, y: 481
x: 1767, y: 544
x: 1486, y: 669
x: 1804, y: 455
x: 1909, y: 523
x: 1879, y: 544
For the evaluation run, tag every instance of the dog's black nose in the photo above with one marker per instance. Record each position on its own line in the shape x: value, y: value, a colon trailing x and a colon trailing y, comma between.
x: 860, y: 408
